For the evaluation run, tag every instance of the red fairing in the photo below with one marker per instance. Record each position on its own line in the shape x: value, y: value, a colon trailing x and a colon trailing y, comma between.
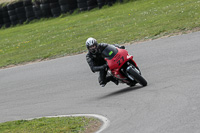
x: 118, y: 61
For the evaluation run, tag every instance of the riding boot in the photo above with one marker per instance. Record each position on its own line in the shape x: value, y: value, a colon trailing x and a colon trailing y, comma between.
x: 111, y: 78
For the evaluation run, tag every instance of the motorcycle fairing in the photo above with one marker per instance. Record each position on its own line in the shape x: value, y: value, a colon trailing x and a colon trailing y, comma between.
x: 116, y: 58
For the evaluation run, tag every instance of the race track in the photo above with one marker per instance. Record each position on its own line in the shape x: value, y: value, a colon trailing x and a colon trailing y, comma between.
x: 169, y: 104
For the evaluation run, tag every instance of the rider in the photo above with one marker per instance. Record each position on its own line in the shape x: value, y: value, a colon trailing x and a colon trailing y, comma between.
x: 97, y: 62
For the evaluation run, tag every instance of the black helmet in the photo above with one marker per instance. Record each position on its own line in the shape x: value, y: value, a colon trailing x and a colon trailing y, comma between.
x: 92, y: 45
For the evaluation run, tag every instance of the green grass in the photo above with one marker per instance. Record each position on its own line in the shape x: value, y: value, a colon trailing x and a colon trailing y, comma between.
x: 47, y: 125
x: 121, y: 23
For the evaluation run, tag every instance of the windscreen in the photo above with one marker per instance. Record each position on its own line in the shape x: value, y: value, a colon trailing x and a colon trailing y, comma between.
x: 109, y: 52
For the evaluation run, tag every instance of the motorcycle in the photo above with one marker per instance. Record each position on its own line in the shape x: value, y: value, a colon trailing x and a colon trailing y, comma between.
x: 122, y: 66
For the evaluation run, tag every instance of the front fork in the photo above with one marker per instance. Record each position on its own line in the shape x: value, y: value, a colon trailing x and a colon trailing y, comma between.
x: 130, y: 66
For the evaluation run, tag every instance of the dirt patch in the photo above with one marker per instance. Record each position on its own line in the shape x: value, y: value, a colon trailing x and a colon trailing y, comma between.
x: 93, y: 126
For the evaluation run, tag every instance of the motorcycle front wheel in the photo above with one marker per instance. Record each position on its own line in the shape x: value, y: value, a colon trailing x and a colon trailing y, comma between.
x: 135, y: 74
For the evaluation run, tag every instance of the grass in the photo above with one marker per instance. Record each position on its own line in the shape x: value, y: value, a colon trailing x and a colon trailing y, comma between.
x: 121, y: 23
x: 6, y: 1
x: 48, y: 125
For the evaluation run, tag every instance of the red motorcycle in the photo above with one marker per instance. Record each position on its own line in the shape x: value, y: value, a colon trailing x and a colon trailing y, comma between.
x: 122, y: 66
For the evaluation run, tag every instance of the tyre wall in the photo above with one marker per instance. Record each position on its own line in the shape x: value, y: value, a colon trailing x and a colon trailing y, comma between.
x: 27, y: 10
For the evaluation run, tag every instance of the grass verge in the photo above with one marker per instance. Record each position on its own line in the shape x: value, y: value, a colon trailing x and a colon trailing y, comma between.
x: 53, y: 125
x: 121, y: 23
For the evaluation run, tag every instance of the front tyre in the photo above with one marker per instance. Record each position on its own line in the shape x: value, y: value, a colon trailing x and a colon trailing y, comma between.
x: 137, y: 77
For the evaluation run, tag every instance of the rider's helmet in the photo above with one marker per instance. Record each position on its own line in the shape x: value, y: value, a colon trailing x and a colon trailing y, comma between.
x: 92, y: 45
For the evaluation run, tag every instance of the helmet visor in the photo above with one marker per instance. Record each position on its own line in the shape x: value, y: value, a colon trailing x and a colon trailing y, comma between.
x: 93, y: 49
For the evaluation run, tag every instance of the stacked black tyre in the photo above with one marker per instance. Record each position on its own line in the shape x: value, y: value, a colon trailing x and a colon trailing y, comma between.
x: 20, y: 10
x: 101, y: 3
x: 82, y: 5
x: 67, y: 5
x: 12, y: 14
x: 72, y: 5
x: 45, y: 7
x: 91, y: 4
x: 37, y: 11
x: 110, y: 2
x: 1, y: 18
x: 55, y: 8
x: 30, y: 15
x: 64, y: 6
x: 6, y: 18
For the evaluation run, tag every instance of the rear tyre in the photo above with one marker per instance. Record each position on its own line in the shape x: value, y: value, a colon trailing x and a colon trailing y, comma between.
x: 135, y: 74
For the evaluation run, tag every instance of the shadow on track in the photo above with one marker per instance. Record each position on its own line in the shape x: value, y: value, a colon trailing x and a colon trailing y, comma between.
x: 125, y: 90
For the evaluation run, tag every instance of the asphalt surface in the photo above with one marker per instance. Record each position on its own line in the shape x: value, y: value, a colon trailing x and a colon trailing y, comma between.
x: 169, y: 104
